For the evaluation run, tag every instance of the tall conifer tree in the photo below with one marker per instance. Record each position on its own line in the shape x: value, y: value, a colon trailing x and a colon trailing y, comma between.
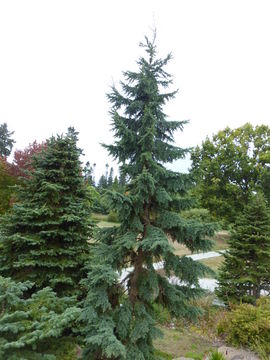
x: 119, y: 309
x: 246, y: 269
x: 6, y: 141
x: 44, y: 238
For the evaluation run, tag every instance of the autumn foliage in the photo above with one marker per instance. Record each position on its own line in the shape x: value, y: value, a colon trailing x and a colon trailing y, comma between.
x: 21, y: 165
x: 12, y: 172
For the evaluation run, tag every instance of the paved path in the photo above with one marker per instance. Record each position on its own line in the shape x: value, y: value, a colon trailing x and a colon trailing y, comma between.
x: 207, y: 255
x: 205, y: 283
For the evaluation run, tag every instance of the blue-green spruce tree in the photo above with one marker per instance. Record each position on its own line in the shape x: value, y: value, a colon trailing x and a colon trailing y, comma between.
x: 245, y: 273
x: 39, y: 327
x: 44, y: 239
x: 118, y: 311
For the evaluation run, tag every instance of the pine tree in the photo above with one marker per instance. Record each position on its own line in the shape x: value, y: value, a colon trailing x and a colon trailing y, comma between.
x: 118, y: 311
x: 107, y: 172
x: 39, y: 327
x: 122, y: 179
x: 110, y: 178
x: 115, y: 185
x: 44, y: 238
x: 6, y: 142
x: 88, y: 173
x: 102, y: 183
x: 246, y: 269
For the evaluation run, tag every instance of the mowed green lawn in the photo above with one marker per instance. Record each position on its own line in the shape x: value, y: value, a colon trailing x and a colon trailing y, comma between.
x: 214, y: 263
x: 220, y: 243
x: 102, y: 220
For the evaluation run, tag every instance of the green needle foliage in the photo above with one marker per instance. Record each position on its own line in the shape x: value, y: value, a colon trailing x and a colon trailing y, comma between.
x: 118, y: 312
x: 6, y: 141
x: 36, y: 328
x: 44, y: 238
x: 246, y: 269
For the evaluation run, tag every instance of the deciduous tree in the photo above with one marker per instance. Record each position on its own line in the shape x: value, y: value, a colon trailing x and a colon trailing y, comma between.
x: 22, y: 159
x: 229, y: 167
x: 7, y: 182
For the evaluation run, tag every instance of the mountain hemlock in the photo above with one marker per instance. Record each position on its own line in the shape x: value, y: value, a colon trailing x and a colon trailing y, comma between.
x: 246, y: 269
x: 118, y: 310
x: 44, y: 237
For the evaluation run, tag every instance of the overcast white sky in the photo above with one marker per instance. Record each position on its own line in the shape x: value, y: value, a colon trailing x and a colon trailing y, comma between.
x: 58, y: 59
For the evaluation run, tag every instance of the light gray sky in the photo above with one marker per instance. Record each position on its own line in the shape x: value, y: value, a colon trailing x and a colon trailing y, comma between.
x: 58, y: 59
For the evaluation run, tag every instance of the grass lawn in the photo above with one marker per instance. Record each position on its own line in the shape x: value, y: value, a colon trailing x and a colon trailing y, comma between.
x: 103, y: 224
x: 221, y: 240
x: 183, y: 343
x: 102, y: 220
x: 214, y: 263
x: 220, y: 243
x: 99, y: 217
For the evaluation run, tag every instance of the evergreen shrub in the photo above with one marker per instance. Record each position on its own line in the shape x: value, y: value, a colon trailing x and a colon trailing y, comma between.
x: 249, y: 325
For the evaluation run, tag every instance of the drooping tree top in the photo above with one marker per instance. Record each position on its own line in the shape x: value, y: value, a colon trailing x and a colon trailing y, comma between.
x: 123, y: 282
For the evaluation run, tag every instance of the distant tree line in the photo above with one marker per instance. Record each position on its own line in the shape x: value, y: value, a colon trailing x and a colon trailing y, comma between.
x: 226, y: 170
